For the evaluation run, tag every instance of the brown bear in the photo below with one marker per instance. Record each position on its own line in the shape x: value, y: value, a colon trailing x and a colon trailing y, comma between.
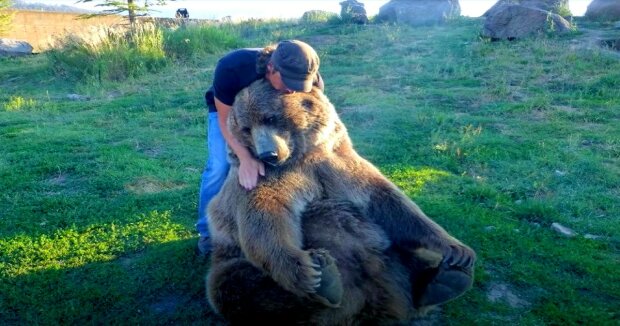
x: 324, y: 238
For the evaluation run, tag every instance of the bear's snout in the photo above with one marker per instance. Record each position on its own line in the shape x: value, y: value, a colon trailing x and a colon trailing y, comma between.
x: 270, y: 147
x: 269, y: 157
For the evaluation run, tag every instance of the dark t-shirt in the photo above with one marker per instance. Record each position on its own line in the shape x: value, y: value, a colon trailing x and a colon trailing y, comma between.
x: 234, y: 72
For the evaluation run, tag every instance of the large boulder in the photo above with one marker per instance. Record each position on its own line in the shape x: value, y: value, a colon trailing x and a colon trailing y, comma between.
x: 419, y: 12
x: 603, y: 10
x: 353, y: 11
x: 13, y: 48
x: 559, y: 7
x: 516, y: 21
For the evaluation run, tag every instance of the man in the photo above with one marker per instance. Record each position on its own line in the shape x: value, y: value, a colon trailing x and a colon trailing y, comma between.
x: 292, y: 66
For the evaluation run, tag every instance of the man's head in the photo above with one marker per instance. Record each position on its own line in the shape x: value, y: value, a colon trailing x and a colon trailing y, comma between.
x: 296, y: 63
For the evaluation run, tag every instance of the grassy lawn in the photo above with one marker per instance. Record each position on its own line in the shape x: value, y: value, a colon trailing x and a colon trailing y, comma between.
x: 496, y: 141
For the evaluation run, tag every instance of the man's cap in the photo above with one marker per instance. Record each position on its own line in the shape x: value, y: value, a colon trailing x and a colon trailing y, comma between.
x: 297, y: 63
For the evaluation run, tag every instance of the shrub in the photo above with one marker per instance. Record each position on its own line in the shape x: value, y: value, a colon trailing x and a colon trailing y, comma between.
x: 5, y: 16
x: 116, y: 55
x: 17, y: 103
x: 185, y: 43
x: 318, y: 16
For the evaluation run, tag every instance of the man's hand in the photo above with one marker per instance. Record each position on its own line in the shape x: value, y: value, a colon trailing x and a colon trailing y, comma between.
x: 249, y: 170
x: 249, y: 167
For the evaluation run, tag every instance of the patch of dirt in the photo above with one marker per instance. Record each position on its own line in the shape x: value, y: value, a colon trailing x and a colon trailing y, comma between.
x: 147, y: 186
x: 57, y: 180
x: 501, y: 292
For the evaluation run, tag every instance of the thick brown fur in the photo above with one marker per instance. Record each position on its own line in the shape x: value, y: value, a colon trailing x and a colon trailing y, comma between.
x: 319, y: 197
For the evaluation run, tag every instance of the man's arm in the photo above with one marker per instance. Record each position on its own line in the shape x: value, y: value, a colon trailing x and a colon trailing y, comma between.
x: 249, y: 167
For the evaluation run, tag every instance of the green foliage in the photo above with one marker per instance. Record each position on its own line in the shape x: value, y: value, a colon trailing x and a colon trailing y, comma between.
x: 318, y: 16
x: 133, y: 8
x: 117, y: 55
x: 5, y: 16
x: 563, y: 10
x: 494, y: 140
x: 190, y: 42
x: 17, y: 103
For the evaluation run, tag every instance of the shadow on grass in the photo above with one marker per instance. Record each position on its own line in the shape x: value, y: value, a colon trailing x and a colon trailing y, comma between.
x: 162, y: 284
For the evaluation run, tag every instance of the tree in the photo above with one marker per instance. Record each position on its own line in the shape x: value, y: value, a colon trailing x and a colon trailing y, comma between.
x: 132, y: 7
x: 5, y: 16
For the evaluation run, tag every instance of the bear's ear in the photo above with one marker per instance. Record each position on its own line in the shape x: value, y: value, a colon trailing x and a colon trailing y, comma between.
x: 308, y: 104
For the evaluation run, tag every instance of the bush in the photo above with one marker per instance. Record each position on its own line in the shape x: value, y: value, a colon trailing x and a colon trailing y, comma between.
x: 116, y: 55
x: 318, y: 16
x: 5, y: 16
x: 185, y: 43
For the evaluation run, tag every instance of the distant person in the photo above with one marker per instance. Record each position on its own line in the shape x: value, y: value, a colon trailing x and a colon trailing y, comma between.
x: 292, y: 66
x: 182, y: 13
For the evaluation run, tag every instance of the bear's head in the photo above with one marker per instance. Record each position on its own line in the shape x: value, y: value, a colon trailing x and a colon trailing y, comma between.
x: 280, y: 128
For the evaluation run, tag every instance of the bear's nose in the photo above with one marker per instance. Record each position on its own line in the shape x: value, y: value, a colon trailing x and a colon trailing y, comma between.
x: 270, y: 158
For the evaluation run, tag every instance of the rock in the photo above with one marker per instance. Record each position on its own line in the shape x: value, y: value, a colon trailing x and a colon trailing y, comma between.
x: 14, y: 48
x: 603, y: 10
x: 419, y: 12
x: 78, y: 97
x: 559, y: 7
x: 592, y: 236
x: 352, y: 11
x: 516, y: 21
x: 563, y: 230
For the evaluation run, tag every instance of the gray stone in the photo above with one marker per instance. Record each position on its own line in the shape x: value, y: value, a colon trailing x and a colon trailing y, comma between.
x: 516, y: 21
x: 603, y: 10
x: 419, y: 12
x: 592, y: 236
x: 353, y: 11
x: 561, y: 229
x: 553, y: 6
x: 78, y: 97
x: 10, y: 47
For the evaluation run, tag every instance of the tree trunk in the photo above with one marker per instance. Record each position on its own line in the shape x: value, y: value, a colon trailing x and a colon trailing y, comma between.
x: 131, y: 9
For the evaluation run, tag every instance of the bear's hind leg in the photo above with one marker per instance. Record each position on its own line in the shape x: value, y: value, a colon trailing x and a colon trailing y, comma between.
x: 244, y: 294
x: 435, y: 281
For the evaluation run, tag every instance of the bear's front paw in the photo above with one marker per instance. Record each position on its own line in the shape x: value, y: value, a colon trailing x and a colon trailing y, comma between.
x: 330, y: 290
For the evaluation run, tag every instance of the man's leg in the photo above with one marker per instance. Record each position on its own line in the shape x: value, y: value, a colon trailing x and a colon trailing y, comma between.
x: 212, y: 180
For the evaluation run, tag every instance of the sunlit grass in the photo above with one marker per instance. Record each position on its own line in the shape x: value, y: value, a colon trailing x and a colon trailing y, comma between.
x: 71, y: 247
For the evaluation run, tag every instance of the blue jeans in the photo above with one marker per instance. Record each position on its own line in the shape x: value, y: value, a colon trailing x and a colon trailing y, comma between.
x: 214, y: 173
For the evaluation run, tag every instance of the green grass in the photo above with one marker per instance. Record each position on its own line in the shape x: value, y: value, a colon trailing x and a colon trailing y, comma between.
x: 494, y: 140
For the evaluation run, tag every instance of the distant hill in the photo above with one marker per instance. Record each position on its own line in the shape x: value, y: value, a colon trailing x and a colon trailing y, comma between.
x: 17, y: 4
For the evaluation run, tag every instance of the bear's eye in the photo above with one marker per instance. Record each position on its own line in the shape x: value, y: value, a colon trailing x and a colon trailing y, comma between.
x: 246, y: 130
x: 270, y: 120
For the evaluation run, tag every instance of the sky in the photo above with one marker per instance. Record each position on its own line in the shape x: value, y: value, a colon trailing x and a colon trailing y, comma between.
x: 215, y: 9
